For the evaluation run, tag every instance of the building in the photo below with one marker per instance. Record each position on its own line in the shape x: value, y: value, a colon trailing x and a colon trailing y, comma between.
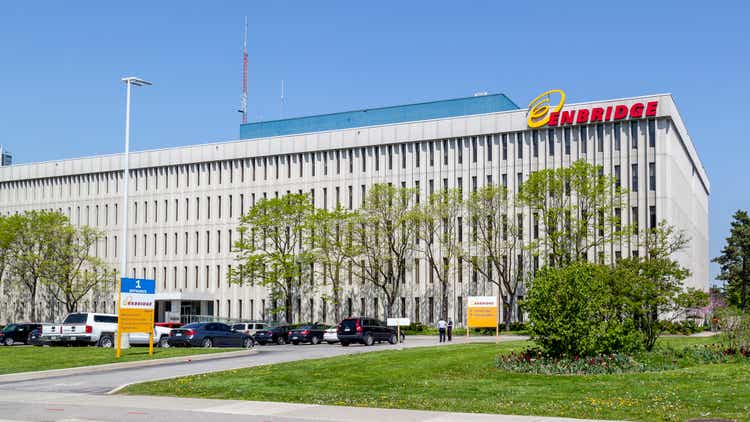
x: 186, y: 201
x: 5, y: 158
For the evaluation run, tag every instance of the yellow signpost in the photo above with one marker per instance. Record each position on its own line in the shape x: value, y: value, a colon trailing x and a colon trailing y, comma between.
x: 135, y: 312
x: 481, y: 312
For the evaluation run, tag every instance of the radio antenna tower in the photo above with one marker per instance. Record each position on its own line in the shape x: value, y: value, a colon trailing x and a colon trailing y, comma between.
x: 243, y: 99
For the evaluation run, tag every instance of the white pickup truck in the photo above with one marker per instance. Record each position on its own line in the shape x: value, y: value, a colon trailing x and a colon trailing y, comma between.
x: 95, y: 329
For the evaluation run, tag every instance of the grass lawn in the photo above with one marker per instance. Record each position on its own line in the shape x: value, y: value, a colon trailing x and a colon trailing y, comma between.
x: 464, y: 378
x: 23, y: 359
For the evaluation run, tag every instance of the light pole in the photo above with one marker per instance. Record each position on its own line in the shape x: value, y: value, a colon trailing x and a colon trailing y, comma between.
x: 129, y: 82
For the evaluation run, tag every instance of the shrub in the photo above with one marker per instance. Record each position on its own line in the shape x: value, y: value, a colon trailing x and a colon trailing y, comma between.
x: 573, y: 312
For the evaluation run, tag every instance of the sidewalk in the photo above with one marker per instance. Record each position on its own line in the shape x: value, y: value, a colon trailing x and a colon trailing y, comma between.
x: 138, y: 408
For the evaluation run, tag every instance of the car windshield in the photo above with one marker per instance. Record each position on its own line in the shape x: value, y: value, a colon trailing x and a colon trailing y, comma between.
x: 349, y: 323
x: 75, y: 319
x: 238, y: 327
x: 9, y: 328
x: 192, y: 326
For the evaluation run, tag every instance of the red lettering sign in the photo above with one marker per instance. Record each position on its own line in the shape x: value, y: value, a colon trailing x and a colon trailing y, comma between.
x: 596, y: 114
x: 567, y: 117
x: 583, y: 116
x: 554, y: 118
x: 636, y: 110
x: 621, y: 112
x: 601, y: 114
x: 651, y: 108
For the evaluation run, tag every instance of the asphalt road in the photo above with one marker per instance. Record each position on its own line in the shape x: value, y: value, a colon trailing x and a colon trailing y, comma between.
x: 84, y: 396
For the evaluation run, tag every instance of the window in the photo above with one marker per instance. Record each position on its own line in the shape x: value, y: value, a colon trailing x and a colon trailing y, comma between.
x: 474, y: 149
x: 432, y: 154
x: 519, y: 145
x: 634, y: 177
x: 362, y: 152
x: 535, y: 143
x: 566, y: 134
x: 403, y: 156
x: 505, y: 180
x: 634, y: 134
x: 519, y: 181
x: 551, y: 142
x: 600, y: 137
x: 417, y: 154
x: 489, y: 148
x: 652, y: 176
x: 618, y: 177
x: 460, y: 150
x: 584, y: 139
x: 617, y: 133
x: 312, y: 157
x: 652, y: 217
x: 445, y: 152
x: 325, y: 163
x: 634, y: 217
x: 505, y: 146
x: 652, y: 133
x: 377, y: 158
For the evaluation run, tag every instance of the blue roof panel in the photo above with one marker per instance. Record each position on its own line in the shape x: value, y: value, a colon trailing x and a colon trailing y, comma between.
x: 379, y: 116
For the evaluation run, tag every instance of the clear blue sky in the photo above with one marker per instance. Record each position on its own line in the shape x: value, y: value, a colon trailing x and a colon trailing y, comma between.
x: 61, y: 64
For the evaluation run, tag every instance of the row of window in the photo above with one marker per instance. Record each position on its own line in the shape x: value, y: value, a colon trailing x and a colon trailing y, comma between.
x: 224, y: 171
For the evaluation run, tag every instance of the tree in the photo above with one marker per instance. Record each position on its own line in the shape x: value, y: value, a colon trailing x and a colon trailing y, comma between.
x: 331, y: 233
x: 9, y: 231
x: 497, y: 243
x: 384, y: 234
x: 33, y: 250
x: 574, y: 312
x: 735, y: 260
x: 274, y: 247
x: 575, y: 207
x: 652, y: 284
x: 439, y: 229
x: 72, y: 273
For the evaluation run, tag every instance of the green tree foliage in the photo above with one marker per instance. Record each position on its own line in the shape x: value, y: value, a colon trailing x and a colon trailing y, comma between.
x: 437, y: 221
x: 384, y: 233
x: 333, y: 249
x: 573, y: 311
x: 575, y: 207
x: 274, y: 249
x: 497, y: 243
x: 735, y: 260
x: 72, y: 272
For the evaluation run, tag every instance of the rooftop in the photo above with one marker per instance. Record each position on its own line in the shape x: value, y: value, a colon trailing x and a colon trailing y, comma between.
x: 456, y: 107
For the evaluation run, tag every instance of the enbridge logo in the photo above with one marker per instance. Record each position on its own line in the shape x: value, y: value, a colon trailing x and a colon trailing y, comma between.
x: 539, y: 108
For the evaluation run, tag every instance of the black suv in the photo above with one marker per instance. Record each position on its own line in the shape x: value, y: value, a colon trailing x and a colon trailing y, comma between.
x: 18, y: 333
x: 365, y: 331
x: 307, y: 334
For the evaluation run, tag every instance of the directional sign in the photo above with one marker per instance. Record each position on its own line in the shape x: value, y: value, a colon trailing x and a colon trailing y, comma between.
x: 136, y: 313
x: 481, y: 311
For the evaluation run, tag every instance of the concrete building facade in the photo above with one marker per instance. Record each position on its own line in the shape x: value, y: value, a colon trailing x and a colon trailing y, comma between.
x: 185, y: 202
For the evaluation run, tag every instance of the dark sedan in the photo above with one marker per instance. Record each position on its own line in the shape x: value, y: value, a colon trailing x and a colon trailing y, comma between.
x: 278, y: 335
x: 209, y: 334
x: 307, y: 334
x: 18, y: 333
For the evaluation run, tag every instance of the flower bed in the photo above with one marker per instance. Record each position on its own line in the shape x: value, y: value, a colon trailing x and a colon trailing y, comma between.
x: 533, y: 361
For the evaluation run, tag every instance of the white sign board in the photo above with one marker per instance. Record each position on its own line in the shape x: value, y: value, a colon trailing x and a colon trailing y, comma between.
x: 398, y: 322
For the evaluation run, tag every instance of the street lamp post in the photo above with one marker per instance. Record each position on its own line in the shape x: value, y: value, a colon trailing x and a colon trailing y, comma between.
x: 129, y: 82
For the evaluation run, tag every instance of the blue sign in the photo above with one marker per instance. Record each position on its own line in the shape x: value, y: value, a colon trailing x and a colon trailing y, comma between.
x: 138, y: 285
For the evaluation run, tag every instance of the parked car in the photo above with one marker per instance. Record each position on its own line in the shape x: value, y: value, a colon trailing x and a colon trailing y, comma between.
x: 365, y: 331
x: 330, y: 336
x: 83, y: 327
x: 161, y: 337
x: 170, y: 325
x: 209, y: 334
x: 312, y: 334
x: 36, y: 339
x: 18, y: 333
x: 249, y: 327
x: 278, y: 335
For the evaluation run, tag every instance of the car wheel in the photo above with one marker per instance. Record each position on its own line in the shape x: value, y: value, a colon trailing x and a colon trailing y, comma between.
x: 345, y: 344
x: 369, y: 340
x: 207, y: 343
x: 392, y: 339
x: 248, y: 343
x: 315, y: 340
x: 295, y: 343
x: 280, y: 341
x: 164, y: 342
x: 8, y: 341
x: 106, y: 342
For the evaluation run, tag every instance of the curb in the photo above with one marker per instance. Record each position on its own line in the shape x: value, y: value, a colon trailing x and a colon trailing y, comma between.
x: 29, y: 376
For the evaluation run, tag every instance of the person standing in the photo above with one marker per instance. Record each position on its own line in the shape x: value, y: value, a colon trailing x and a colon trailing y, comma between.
x: 441, y: 329
x: 450, y: 329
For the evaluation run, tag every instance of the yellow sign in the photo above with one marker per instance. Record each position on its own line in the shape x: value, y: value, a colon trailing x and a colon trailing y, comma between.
x: 481, y: 312
x: 135, y: 310
x: 136, y: 320
x: 539, y: 108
